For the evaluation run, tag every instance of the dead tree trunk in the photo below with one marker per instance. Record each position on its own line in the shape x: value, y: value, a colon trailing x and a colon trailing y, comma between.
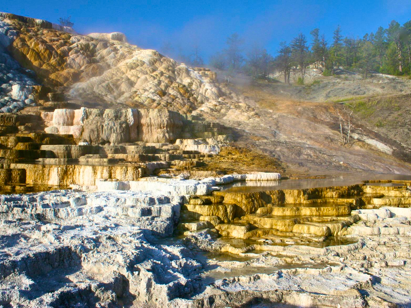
x: 346, y: 126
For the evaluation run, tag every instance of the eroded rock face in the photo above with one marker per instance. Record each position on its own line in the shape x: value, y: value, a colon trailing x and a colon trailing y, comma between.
x: 85, y: 175
x: 16, y: 82
x: 207, y: 146
x: 115, y: 126
x: 112, y: 126
x: 103, y: 68
x: 159, y: 125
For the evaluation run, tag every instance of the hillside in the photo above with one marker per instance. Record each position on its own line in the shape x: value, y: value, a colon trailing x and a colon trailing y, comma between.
x: 306, y: 135
x: 54, y: 69
x: 343, y: 85
x: 388, y: 114
x: 129, y: 179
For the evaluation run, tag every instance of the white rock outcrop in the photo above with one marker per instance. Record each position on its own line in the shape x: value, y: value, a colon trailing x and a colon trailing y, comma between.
x: 205, y: 146
x: 263, y: 176
x: 115, y: 126
x: 16, y: 82
x: 114, y: 36
x: 181, y: 187
x: 168, y: 187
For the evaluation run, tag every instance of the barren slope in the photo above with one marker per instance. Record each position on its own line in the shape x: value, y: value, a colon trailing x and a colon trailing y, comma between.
x: 305, y: 135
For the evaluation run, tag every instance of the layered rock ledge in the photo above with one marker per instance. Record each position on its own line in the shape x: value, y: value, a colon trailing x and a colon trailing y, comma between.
x: 111, y: 248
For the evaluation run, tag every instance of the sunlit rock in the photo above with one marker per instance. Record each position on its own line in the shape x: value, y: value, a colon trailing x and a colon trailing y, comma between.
x: 263, y: 176
x: 207, y: 146
x: 115, y: 126
x: 114, y: 36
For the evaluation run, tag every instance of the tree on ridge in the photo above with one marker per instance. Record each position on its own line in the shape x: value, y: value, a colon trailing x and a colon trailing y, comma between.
x: 299, y: 51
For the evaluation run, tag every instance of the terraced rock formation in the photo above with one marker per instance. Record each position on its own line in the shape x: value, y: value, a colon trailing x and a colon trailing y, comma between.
x: 104, y: 68
x: 69, y: 248
x: 29, y: 164
x: 309, y: 216
x: 55, y: 141
x: 102, y: 116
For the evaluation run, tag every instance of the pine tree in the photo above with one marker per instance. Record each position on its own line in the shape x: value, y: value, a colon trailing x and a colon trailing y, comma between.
x: 258, y: 63
x: 367, y: 62
x: 336, y: 52
x: 407, y: 39
x: 380, y: 45
x: 324, y: 50
x: 283, y: 61
x: 234, y: 52
x: 316, y: 49
x: 300, y: 54
x: 396, y: 35
x: 350, y: 52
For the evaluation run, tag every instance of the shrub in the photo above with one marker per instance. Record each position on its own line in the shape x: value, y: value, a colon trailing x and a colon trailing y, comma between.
x: 379, y: 123
x: 327, y: 72
x: 66, y: 22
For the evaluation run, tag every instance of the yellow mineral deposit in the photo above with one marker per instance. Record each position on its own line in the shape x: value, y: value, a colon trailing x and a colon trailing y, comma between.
x: 316, y: 214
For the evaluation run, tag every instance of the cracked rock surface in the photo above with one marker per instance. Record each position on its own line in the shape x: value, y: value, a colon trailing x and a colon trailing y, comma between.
x: 113, y: 249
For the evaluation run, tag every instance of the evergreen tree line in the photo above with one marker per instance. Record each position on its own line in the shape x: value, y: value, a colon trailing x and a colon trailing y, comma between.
x: 386, y: 51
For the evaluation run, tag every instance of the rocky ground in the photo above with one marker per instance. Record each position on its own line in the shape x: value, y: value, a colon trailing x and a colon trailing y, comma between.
x: 343, y: 85
x: 387, y: 115
x: 105, y: 249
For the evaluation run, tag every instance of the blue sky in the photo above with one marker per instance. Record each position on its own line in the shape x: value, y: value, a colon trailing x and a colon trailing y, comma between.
x: 207, y: 24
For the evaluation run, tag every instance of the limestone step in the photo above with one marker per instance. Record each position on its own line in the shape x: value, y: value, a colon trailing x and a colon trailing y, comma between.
x: 281, y: 224
x: 185, y: 163
x: 275, y: 240
x: 226, y: 212
x: 326, y: 229
x: 234, y: 230
x: 206, y: 200
x: 286, y: 224
x: 195, y: 226
x: 391, y: 201
x: 325, y: 210
x: 314, y: 202
x: 267, y: 233
x: 21, y: 154
x: 388, y: 191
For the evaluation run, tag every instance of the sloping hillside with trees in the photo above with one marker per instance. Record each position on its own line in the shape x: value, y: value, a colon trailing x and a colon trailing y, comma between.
x: 386, y: 51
